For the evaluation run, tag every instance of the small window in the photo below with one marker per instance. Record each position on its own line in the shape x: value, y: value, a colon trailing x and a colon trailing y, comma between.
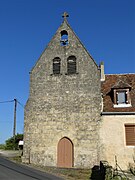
x: 130, y: 134
x: 64, y: 38
x: 122, y: 98
x: 71, y: 65
x: 56, y: 65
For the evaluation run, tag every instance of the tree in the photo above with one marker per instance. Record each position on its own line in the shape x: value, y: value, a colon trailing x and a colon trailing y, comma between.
x: 11, y: 144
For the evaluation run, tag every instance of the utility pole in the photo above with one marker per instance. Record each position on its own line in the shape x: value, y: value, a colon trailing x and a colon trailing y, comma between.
x: 14, y: 126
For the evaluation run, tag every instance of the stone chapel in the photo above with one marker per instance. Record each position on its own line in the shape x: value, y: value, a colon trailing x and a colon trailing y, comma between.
x: 76, y: 115
x: 62, y: 113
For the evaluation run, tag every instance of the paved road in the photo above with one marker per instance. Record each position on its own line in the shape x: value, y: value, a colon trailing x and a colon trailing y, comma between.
x: 13, y: 171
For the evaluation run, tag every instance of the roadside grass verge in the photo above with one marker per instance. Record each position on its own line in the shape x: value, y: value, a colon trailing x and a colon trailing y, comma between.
x: 65, y: 173
x: 16, y: 159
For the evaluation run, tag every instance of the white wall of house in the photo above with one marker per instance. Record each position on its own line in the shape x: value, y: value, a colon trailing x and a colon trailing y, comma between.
x: 113, y: 140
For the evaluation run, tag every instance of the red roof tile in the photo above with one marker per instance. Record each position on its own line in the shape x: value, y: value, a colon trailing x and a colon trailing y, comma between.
x: 117, y: 81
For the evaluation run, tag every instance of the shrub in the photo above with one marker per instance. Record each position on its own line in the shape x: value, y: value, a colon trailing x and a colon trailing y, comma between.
x: 2, y: 146
x: 11, y: 144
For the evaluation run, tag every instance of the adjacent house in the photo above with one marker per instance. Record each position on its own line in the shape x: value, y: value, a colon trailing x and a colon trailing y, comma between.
x: 76, y: 115
x: 117, y: 130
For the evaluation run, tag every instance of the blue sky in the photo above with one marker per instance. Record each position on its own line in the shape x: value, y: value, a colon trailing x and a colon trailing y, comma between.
x: 105, y: 27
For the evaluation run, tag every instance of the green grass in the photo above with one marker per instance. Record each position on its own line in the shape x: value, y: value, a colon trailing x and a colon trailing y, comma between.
x: 70, y: 174
x: 16, y: 159
x: 67, y: 174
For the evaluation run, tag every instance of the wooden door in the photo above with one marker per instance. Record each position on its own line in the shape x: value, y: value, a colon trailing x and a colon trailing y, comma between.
x: 65, y: 153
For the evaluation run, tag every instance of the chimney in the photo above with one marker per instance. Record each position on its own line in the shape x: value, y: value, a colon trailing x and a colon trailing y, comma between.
x: 102, y: 73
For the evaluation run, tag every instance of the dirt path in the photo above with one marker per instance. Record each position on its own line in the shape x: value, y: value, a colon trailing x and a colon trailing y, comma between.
x: 9, y: 153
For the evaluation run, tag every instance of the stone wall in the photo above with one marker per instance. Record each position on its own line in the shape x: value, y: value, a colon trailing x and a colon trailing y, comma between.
x: 63, y: 105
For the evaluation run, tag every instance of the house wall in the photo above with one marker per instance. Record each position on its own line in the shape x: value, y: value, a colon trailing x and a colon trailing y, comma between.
x: 112, y: 134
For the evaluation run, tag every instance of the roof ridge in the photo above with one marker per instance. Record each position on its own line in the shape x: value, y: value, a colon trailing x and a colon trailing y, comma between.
x: 121, y: 74
x: 118, y: 84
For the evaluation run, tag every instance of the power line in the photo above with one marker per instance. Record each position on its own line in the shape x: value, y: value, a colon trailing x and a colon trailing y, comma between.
x: 15, y: 110
x: 6, y: 101
x: 13, y: 101
x: 20, y: 104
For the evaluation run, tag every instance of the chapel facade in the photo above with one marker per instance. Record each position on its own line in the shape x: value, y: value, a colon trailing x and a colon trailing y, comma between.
x: 62, y: 113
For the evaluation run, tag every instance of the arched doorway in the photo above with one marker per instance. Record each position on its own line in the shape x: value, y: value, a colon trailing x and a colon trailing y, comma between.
x: 65, y: 153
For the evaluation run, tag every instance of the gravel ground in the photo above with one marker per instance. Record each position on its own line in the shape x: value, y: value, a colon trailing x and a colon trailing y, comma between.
x: 9, y: 153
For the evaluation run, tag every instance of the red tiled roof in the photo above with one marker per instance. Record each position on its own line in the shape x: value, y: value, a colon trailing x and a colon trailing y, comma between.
x: 117, y: 81
x: 121, y: 84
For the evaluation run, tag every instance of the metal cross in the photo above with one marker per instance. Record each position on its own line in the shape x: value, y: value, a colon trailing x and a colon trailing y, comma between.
x: 65, y: 15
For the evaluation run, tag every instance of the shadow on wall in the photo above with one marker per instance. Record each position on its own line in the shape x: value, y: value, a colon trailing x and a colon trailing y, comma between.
x: 97, y: 174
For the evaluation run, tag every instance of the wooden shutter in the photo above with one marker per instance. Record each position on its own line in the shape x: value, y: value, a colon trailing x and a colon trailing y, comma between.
x: 130, y: 135
x: 56, y: 66
x: 71, y: 65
